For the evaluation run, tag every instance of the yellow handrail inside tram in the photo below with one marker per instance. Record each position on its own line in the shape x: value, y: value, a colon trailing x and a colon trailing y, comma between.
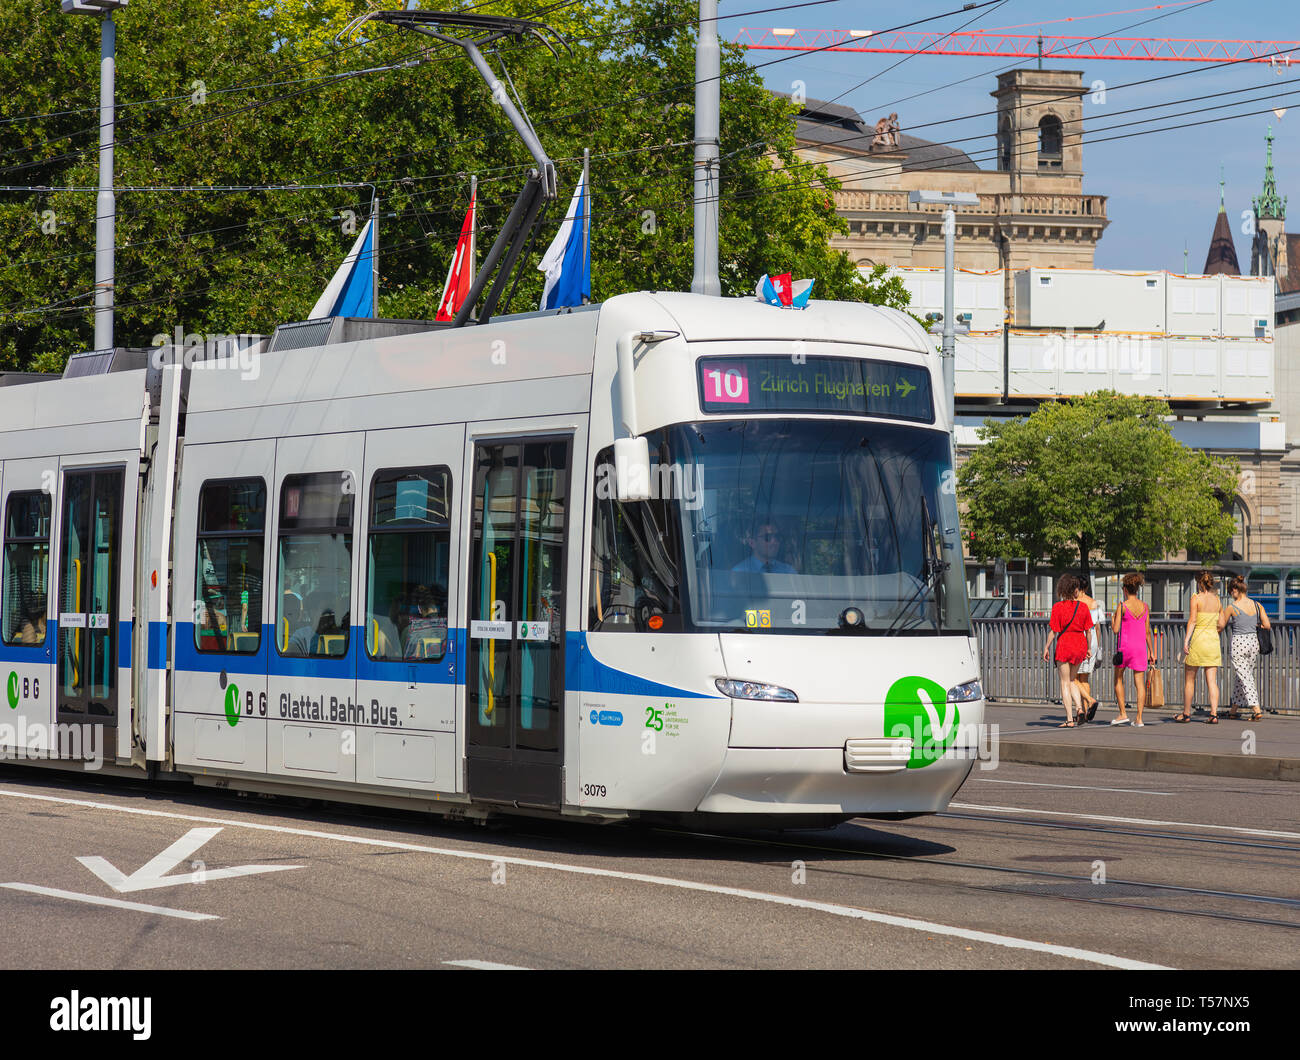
x: 76, y: 641
x: 492, y: 644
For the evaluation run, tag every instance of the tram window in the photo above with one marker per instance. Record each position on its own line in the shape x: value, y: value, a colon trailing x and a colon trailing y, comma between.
x: 409, y: 548
x: 26, y: 567
x: 634, y: 571
x: 314, y: 574
x: 228, y: 566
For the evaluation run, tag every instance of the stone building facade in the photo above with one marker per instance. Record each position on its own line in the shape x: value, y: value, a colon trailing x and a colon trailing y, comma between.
x: 1032, y: 208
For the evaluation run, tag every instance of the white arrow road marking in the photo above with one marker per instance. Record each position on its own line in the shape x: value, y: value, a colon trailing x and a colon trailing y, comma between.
x: 116, y: 903
x: 154, y: 874
x: 937, y: 734
x: 487, y: 966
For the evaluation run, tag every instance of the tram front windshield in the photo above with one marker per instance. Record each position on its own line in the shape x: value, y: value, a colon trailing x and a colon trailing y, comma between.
x: 789, y: 526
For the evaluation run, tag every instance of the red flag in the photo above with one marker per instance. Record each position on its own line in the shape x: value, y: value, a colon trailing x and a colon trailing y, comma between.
x: 461, y: 273
x: 783, y: 284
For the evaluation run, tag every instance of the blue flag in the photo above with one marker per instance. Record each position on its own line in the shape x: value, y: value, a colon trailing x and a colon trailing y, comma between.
x: 567, y: 264
x: 351, y: 293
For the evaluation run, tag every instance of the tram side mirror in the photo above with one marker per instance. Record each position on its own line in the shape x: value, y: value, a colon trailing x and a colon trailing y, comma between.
x: 632, y: 469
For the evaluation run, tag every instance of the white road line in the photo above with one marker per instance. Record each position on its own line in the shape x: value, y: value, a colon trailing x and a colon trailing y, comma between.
x: 116, y: 903
x: 488, y: 966
x: 1074, y: 787
x: 1124, y: 820
x: 1070, y: 952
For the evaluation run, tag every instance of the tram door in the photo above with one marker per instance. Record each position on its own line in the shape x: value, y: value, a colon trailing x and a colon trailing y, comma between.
x: 515, y: 671
x: 89, y: 557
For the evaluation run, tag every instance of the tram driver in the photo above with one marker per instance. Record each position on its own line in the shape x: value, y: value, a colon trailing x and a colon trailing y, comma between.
x: 764, y: 546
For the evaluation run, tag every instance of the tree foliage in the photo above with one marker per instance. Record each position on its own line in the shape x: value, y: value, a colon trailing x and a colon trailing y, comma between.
x: 260, y: 93
x: 1098, y: 475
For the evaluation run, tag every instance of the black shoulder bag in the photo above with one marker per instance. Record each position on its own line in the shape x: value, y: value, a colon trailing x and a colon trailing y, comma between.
x: 1264, y: 636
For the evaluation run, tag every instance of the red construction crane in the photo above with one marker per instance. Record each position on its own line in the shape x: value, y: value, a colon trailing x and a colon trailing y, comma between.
x: 998, y: 44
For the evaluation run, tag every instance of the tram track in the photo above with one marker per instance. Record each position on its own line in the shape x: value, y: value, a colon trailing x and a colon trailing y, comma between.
x: 1069, y: 826
x: 1043, y: 874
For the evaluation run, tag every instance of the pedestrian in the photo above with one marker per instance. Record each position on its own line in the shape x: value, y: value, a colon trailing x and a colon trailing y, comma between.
x: 1070, y: 624
x: 1201, y: 647
x: 1242, y: 617
x: 1137, y: 648
x: 1084, y: 680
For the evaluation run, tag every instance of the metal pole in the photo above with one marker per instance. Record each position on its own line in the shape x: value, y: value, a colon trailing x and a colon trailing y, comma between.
x: 948, y: 351
x: 105, y: 203
x: 586, y: 213
x: 374, y: 250
x: 708, y: 103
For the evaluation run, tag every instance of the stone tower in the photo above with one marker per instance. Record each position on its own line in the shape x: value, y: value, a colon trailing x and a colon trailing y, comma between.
x: 1040, y: 129
x: 1268, y: 251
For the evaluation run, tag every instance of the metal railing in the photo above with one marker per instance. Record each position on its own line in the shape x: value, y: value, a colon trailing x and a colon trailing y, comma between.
x: 1013, y: 670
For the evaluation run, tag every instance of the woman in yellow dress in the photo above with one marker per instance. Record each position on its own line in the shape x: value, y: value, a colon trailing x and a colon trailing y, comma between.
x: 1201, y: 647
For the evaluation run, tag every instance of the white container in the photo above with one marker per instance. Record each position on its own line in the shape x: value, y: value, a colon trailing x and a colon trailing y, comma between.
x: 1193, y: 305
x: 1090, y: 299
x: 979, y: 294
x: 979, y: 365
x: 1247, y: 369
x: 1247, y: 307
x: 1035, y: 360
x: 1194, y: 368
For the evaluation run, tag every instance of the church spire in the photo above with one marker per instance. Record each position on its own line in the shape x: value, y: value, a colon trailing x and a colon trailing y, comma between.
x: 1222, y: 257
x: 1269, y: 206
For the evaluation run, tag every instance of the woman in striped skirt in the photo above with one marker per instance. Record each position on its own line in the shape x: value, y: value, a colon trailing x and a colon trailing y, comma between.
x: 1242, y: 617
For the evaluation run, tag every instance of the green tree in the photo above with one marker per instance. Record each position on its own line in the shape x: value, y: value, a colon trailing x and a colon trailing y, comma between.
x: 259, y: 93
x: 1097, y: 475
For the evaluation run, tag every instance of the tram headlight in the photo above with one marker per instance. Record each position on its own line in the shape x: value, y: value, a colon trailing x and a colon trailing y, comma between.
x: 967, y: 693
x: 754, y: 690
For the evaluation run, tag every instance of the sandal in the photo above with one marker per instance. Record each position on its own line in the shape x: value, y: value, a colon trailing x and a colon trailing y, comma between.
x: 1214, y: 720
x: 1234, y: 714
x: 1182, y: 717
x: 1257, y: 716
x: 1092, y: 711
x: 1066, y: 725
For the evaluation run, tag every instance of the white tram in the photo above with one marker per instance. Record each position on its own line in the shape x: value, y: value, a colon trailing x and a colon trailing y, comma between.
x: 665, y: 556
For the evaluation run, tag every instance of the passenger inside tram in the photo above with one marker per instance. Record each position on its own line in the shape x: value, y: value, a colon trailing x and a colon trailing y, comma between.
x: 32, y: 628
x: 427, y: 628
x: 319, y: 630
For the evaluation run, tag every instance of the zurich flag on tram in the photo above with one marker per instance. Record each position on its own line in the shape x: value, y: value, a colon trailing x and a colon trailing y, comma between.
x: 567, y: 264
x: 461, y: 274
x: 351, y: 293
x: 783, y: 291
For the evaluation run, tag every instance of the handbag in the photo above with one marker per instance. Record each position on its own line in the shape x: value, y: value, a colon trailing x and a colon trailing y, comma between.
x: 1265, y: 637
x: 1118, y: 659
x: 1155, y: 689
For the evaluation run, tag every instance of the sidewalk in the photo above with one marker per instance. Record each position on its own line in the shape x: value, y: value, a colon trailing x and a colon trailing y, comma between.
x: 1028, y: 733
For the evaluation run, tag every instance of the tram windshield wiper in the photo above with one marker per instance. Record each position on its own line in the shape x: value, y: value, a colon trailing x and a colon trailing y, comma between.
x: 933, y: 569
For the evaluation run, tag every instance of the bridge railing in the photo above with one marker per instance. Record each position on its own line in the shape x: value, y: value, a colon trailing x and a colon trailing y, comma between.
x: 1013, y: 670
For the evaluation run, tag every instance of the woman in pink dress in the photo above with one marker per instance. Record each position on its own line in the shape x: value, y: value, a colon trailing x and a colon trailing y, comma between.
x: 1137, y: 647
x: 1070, y: 621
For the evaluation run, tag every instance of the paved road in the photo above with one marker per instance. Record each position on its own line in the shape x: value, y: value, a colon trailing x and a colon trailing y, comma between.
x: 1032, y: 868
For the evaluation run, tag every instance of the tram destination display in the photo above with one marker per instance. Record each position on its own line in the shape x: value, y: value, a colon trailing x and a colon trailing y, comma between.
x: 816, y: 384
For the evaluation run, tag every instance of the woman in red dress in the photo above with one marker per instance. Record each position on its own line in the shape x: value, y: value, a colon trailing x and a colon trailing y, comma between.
x: 1070, y: 623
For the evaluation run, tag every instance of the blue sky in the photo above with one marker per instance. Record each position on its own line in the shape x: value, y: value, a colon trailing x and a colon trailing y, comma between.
x: 1163, y: 188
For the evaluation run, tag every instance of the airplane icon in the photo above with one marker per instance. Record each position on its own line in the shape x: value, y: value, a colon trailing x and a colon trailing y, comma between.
x: 902, y: 388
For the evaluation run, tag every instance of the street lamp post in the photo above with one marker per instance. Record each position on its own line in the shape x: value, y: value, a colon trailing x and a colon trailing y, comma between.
x: 948, y: 349
x: 105, y: 203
